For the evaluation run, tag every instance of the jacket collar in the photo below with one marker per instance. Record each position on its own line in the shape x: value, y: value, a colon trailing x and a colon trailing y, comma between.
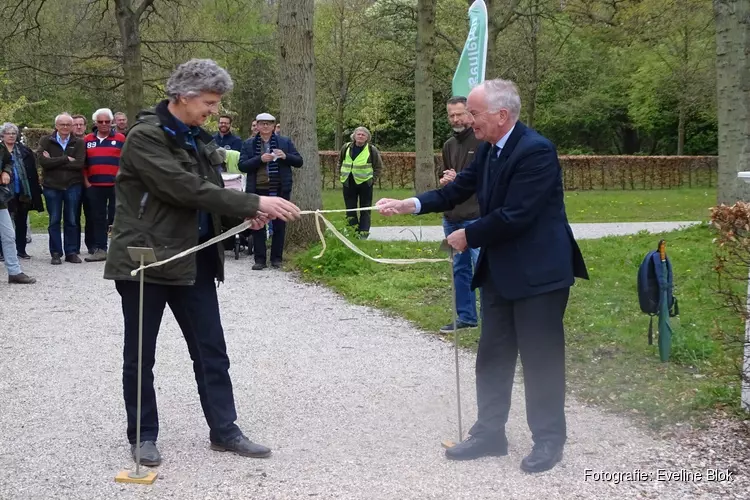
x: 170, y: 124
x: 467, y: 133
x: 518, y: 130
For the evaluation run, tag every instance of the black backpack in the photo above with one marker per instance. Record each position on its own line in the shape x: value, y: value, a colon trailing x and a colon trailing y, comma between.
x: 651, y: 281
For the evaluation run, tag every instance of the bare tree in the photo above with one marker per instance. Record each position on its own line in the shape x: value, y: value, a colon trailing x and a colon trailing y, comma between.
x: 424, y: 174
x: 297, y: 83
x: 733, y: 105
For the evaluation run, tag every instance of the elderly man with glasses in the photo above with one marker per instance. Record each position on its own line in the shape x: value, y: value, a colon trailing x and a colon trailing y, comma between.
x: 268, y: 158
x: 61, y: 156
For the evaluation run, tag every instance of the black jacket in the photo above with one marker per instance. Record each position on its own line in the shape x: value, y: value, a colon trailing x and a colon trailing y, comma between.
x: 32, y: 174
x: 58, y: 171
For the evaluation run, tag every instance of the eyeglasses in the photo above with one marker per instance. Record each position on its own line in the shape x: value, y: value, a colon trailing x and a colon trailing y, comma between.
x: 64, y: 124
x: 103, y: 122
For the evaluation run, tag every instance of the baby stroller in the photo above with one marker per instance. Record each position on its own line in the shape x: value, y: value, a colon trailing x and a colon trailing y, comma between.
x: 237, y: 182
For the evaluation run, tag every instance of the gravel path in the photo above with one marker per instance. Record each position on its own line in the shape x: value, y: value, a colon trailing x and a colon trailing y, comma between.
x: 581, y: 230
x: 354, y: 404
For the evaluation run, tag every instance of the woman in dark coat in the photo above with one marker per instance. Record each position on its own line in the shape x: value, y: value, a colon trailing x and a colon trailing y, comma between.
x: 24, y: 183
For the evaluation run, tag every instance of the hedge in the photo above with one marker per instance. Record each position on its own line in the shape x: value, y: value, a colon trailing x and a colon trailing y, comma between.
x: 579, y: 172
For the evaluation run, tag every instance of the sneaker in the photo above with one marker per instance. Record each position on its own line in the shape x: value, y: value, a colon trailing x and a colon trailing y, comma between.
x: 73, y: 258
x: 460, y: 325
x: 56, y: 259
x: 21, y: 279
x: 99, y: 255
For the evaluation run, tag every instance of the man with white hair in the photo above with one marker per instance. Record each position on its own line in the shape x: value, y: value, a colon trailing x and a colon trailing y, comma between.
x: 61, y: 156
x: 527, y: 263
x: 103, y: 148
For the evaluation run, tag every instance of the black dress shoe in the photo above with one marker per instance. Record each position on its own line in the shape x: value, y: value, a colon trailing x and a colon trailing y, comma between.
x: 73, y: 258
x: 24, y: 256
x: 243, y: 447
x: 259, y: 266
x: 543, y: 456
x: 476, y: 447
x: 150, y: 456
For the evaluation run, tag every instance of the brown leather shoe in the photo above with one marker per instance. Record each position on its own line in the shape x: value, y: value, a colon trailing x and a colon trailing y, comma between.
x: 21, y: 279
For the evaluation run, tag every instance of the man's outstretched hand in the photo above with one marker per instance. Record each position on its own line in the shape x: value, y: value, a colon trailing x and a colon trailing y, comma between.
x: 275, y: 207
x: 389, y: 206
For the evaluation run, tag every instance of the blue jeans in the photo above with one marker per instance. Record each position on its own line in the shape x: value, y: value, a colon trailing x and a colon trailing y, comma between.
x: 62, y: 205
x: 8, y: 242
x: 463, y: 265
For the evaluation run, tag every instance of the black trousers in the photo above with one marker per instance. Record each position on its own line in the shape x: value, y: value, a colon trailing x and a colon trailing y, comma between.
x: 277, y: 239
x: 532, y: 327
x: 358, y: 193
x: 102, y: 211
x: 196, y: 309
x: 19, y: 211
x: 88, y: 233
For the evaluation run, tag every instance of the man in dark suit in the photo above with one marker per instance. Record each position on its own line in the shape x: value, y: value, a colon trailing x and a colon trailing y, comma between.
x: 527, y: 264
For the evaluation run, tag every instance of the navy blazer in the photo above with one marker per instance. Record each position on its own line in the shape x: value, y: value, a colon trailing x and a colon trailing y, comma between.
x: 250, y: 162
x: 527, y: 245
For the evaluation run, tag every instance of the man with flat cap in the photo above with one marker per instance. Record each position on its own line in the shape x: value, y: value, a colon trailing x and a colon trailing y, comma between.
x: 268, y: 158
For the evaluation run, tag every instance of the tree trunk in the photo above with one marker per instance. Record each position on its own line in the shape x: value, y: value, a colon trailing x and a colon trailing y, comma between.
x: 493, y: 30
x: 128, y: 22
x: 682, y: 117
x: 424, y: 173
x: 534, y: 39
x: 342, y: 86
x: 297, y: 86
x: 339, y: 143
x: 733, y: 97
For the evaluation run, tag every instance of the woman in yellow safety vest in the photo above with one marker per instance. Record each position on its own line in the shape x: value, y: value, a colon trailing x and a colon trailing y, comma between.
x: 360, y: 164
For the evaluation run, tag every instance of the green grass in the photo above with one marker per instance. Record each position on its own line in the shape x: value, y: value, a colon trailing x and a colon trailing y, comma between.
x: 582, y: 206
x: 609, y: 360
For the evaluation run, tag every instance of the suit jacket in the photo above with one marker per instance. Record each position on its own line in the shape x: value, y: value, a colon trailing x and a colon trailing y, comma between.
x: 527, y: 245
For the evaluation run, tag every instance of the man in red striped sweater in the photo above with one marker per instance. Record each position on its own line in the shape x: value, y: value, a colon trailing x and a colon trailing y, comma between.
x: 103, y: 147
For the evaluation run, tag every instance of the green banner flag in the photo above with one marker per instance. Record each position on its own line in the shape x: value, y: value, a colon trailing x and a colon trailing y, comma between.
x: 471, y: 65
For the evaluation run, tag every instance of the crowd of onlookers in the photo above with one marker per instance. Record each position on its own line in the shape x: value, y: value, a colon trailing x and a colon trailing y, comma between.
x: 71, y: 174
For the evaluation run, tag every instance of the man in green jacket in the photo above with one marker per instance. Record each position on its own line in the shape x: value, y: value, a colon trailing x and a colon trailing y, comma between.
x: 170, y: 197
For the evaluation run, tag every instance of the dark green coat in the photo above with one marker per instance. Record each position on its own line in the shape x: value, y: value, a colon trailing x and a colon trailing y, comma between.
x: 160, y: 188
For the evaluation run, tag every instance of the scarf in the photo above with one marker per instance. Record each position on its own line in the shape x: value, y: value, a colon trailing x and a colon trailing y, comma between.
x: 272, y: 168
x: 21, y: 181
